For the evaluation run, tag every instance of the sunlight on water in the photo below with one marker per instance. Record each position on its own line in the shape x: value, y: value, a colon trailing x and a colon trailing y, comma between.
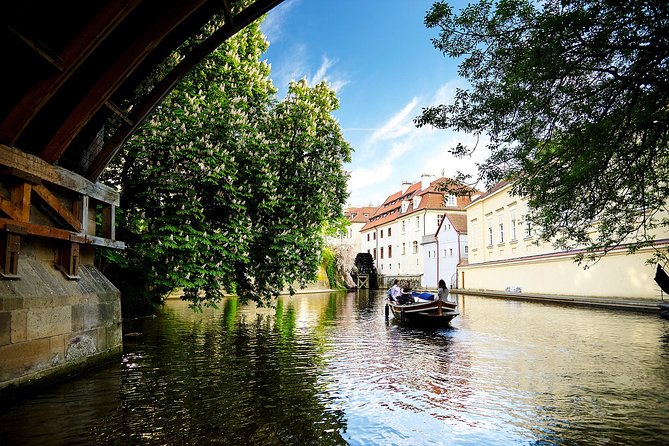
x: 328, y: 369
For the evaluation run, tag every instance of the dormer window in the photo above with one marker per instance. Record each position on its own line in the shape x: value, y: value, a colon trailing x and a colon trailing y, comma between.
x: 405, y: 206
x: 416, y: 202
x: 450, y: 200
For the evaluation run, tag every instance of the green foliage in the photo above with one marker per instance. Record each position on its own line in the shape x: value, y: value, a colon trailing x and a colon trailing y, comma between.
x: 330, y: 265
x: 574, y: 97
x: 225, y: 188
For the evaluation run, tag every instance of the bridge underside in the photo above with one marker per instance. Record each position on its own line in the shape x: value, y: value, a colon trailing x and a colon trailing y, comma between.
x: 75, y: 89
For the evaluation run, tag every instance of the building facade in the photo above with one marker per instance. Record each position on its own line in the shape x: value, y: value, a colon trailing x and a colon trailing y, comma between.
x: 357, y: 218
x: 394, y: 234
x: 444, y: 251
x: 505, y: 254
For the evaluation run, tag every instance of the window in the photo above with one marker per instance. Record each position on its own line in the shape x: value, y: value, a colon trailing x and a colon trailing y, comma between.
x: 429, y: 254
x: 416, y: 202
x: 404, y: 223
x: 390, y: 265
x: 374, y: 235
x: 489, y: 235
x: 405, y: 206
x: 382, y: 252
x: 368, y: 251
x: 381, y: 233
x: 404, y: 248
x: 445, y: 252
x: 389, y: 231
x: 367, y: 237
x: 513, y: 229
x: 418, y: 221
x: 501, y: 230
x: 390, y: 251
x: 374, y: 255
x: 450, y: 252
x: 415, y: 247
x: 466, y: 249
x: 528, y: 228
x: 439, y: 219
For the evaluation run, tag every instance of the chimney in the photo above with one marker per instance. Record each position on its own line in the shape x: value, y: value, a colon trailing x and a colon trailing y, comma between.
x: 424, y: 181
x: 405, y: 186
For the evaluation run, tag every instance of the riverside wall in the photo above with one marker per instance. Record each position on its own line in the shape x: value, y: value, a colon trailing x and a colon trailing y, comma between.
x: 52, y: 326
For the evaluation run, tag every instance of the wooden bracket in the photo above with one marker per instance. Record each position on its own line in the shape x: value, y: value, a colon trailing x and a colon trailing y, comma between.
x: 67, y: 260
x: 10, y: 246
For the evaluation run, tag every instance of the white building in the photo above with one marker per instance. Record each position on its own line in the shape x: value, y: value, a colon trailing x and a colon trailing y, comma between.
x: 445, y: 250
x: 357, y: 217
x: 394, y: 234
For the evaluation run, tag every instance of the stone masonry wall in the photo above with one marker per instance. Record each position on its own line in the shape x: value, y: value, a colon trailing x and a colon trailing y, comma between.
x: 50, y: 325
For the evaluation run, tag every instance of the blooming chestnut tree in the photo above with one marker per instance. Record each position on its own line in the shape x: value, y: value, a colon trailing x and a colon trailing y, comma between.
x: 226, y: 188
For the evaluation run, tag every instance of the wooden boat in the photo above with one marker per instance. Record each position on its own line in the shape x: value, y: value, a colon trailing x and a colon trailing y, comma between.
x: 421, y: 311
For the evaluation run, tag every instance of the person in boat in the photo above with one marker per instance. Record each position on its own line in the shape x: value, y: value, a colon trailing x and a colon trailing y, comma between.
x: 406, y: 297
x: 442, y: 292
x: 395, y: 291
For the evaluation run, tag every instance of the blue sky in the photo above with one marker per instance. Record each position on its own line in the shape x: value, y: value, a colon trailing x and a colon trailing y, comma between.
x: 378, y: 56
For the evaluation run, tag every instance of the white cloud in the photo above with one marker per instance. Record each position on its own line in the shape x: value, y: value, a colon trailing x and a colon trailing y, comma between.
x: 399, y: 151
x: 398, y: 125
x: 336, y: 81
x: 273, y: 25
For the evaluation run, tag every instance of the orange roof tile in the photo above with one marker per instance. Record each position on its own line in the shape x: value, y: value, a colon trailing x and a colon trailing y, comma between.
x: 431, y: 199
x: 357, y: 214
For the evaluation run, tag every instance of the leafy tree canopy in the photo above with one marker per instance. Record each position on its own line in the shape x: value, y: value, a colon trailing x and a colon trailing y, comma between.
x: 574, y: 97
x: 227, y: 188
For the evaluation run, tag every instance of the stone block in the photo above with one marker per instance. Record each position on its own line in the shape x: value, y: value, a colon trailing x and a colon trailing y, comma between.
x: 47, y: 322
x: 102, y: 339
x: 81, y: 346
x: 77, y: 318
x: 57, y: 347
x: 92, y: 317
x: 5, y: 327
x: 19, y: 326
x: 11, y: 303
x: 114, y: 336
x: 23, y: 358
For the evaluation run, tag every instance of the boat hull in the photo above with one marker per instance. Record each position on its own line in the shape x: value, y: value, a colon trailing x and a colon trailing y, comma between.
x: 427, y: 313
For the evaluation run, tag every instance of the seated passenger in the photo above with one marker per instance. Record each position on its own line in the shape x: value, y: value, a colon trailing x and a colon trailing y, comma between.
x: 395, y: 292
x: 406, y: 297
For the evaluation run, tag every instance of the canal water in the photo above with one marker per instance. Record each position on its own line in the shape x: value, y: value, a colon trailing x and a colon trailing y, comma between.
x: 326, y: 369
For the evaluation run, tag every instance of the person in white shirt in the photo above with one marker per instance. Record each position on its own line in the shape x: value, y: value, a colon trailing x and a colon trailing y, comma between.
x: 443, y: 291
x: 395, y: 291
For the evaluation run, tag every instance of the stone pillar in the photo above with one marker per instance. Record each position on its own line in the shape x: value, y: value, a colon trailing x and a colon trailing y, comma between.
x: 51, y: 325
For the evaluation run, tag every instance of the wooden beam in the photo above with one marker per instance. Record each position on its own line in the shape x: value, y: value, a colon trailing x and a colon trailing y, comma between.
x: 141, y: 111
x: 39, y: 48
x: 118, y: 112
x: 36, y: 230
x: 104, y: 242
x: 56, y: 206
x: 8, y: 208
x: 76, y: 53
x: 21, y: 200
x: 39, y: 168
x: 141, y: 47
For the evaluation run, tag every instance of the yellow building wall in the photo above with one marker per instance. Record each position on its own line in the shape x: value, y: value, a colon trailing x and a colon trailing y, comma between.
x: 615, y: 275
x: 536, y: 267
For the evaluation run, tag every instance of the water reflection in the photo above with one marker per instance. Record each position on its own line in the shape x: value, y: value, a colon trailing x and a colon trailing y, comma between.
x: 328, y: 369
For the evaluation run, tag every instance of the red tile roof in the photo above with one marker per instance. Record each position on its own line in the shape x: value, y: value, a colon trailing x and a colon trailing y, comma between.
x: 458, y: 221
x: 357, y: 215
x: 431, y: 199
